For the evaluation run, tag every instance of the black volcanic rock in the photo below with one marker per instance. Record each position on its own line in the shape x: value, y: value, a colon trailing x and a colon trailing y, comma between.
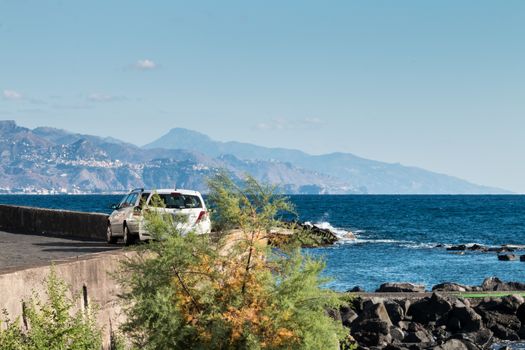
x: 400, y: 287
x: 429, y: 309
x: 495, y: 284
x: 450, y: 287
x: 507, y: 257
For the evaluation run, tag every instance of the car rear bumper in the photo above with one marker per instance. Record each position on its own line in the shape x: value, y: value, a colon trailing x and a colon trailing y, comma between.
x: 203, y: 227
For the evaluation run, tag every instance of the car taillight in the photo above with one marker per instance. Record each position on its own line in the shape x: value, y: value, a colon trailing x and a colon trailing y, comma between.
x: 202, y: 215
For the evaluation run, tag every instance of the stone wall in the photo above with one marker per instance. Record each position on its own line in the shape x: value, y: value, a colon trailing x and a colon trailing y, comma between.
x: 52, y: 221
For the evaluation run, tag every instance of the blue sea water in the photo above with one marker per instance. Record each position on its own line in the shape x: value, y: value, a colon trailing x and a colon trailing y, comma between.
x: 396, y: 235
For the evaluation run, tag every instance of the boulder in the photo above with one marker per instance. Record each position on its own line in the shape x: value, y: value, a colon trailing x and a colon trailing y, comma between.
x: 455, y: 344
x: 375, y: 310
x: 520, y: 313
x: 511, y: 303
x: 450, y: 287
x: 458, y: 247
x: 464, y: 319
x: 478, y: 248
x: 400, y: 287
x: 404, y: 303
x: 348, y: 315
x: 505, y: 333
x: 420, y: 336
x: 356, y: 289
x: 522, y: 257
x: 495, y: 284
x: 492, y: 283
x: 482, y: 338
x: 441, y: 334
x: 395, y: 311
x: 372, y: 332
x: 507, y: 257
x: 499, y: 316
x: 397, y: 334
x: 507, y: 321
x: 372, y: 327
x: 515, y: 286
x: 429, y: 309
x: 326, y: 236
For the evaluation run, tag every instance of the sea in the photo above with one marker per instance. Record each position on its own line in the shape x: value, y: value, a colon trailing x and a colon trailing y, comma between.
x: 399, y: 238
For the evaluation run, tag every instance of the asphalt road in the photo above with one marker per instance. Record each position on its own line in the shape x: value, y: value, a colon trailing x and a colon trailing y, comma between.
x: 21, y: 250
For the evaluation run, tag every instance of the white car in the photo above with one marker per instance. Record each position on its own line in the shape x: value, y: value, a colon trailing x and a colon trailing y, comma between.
x: 127, y: 220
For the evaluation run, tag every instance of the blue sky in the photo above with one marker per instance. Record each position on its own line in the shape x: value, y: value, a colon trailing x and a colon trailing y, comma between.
x: 434, y: 84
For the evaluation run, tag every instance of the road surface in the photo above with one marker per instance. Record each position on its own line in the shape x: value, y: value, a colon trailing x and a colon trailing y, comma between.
x: 21, y: 250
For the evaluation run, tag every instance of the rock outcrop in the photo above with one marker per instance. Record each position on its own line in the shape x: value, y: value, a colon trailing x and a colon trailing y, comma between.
x: 400, y: 287
x: 307, y: 234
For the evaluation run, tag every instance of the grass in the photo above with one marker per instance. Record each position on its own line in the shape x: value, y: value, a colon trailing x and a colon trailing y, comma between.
x: 477, y: 295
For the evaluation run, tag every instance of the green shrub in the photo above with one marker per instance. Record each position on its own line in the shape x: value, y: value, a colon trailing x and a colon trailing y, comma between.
x: 227, y: 292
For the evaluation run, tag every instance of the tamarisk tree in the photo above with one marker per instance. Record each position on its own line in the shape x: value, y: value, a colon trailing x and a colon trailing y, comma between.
x: 227, y: 290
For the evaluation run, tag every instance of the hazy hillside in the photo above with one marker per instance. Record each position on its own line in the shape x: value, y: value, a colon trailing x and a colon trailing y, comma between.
x: 356, y: 172
x: 47, y: 160
x: 53, y: 160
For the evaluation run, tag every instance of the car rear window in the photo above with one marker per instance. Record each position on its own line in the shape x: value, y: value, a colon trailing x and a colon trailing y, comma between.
x: 180, y: 201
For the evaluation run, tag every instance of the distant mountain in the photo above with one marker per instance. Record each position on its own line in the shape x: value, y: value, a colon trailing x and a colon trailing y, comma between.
x: 359, y: 174
x: 48, y: 160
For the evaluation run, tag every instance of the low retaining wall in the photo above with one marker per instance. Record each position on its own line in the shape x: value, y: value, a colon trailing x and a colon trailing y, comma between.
x: 89, y: 276
x: 52, y: 221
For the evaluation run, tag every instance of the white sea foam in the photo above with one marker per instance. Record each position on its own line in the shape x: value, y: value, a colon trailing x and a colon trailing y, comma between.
x: 419, y: 245
x: 339, y: 232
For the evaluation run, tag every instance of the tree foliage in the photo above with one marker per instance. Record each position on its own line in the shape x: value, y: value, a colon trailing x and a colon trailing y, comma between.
x: 227, y: 291
x: 51, y: 324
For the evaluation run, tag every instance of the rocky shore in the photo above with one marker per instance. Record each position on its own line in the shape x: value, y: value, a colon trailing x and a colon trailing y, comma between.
x: 453, y: 316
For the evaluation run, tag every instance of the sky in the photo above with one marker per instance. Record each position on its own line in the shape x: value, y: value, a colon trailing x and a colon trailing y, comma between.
x: 434, y: 84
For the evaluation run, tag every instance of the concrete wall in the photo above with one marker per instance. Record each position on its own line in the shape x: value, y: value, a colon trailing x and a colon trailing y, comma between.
x: 52, y: 221
x: 88, y: 276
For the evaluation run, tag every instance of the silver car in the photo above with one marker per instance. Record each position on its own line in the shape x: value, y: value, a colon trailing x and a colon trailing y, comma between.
x: 127, y: 220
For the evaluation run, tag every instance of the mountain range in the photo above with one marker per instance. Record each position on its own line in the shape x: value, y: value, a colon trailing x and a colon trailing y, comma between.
x: 49, y: 160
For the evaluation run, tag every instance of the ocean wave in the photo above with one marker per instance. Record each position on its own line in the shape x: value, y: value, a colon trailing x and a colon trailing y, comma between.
x: 342, y: 234
x: 358, y: 236
x: 396, y: 242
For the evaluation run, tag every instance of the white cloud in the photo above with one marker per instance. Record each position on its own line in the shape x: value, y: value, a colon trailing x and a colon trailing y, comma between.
x: 286, y: 124
x: 99, y: 97
x: 12, y: 95
x: 145, y: 64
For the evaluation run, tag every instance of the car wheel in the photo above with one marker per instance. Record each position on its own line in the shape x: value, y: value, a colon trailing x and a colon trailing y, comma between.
x: 129, y: 239
x: 109, y: 236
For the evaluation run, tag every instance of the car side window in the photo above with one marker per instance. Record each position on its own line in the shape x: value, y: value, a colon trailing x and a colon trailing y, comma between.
x: 132, y: 199
x: 122, y: 203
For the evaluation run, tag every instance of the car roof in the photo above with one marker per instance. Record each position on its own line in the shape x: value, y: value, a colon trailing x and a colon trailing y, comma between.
x: 173, y: 190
